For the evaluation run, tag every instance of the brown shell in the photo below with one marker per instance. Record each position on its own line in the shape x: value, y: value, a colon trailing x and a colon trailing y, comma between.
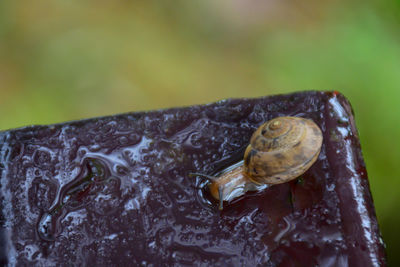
x: 282, y: 149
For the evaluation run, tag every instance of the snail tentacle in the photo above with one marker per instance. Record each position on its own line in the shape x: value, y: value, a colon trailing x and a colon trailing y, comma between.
x: 208, y: 177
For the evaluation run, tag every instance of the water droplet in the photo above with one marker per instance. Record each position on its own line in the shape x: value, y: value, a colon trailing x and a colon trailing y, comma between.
x: 38, y: 172
x: 46, y: 228
x: 123, y: 140
x: 121, y: 170
x: 42, y: 158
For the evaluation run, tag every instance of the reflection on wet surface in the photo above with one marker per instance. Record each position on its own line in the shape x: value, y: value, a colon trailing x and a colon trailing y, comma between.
x: 71, y: 197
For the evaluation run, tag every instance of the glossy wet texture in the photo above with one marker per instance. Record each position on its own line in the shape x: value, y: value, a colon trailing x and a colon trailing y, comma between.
x: 116, y: 190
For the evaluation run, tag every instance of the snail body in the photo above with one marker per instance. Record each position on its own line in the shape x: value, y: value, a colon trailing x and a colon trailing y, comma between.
x: 279, y: 151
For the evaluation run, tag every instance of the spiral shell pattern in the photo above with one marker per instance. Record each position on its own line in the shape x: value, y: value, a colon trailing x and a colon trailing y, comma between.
x: 282, y: 149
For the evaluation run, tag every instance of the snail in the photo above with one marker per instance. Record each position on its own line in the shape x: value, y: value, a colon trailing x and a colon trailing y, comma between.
x: 280, y: 150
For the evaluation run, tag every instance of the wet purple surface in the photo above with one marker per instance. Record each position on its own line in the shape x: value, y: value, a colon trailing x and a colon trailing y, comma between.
x: 115, y: 190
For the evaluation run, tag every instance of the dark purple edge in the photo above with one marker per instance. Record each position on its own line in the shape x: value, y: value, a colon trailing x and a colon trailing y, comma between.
x: 348, y: 182
x: 352, y: 187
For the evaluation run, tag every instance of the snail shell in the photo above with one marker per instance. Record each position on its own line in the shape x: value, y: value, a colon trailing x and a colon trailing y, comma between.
x: 280, y: 150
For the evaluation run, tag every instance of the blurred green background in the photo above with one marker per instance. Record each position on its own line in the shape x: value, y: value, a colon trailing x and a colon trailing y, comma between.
x: 67, y: 60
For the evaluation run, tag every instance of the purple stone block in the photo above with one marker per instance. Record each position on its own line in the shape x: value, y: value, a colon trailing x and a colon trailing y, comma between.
x: 115, y: 191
